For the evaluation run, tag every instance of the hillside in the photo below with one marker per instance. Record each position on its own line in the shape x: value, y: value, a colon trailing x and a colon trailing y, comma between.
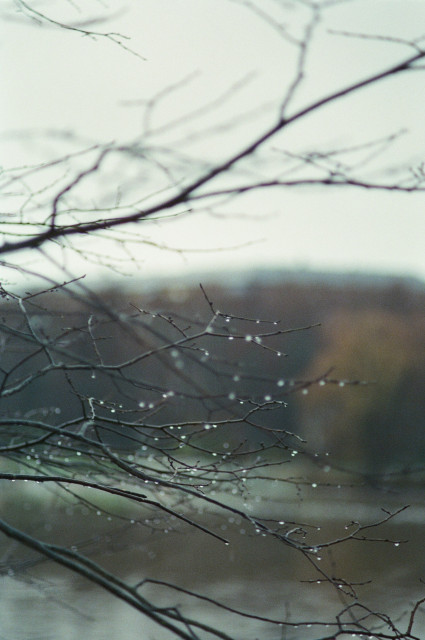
x: 371, y: 330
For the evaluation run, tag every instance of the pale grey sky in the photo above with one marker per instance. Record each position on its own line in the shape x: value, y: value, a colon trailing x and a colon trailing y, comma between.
x: 59, y: 80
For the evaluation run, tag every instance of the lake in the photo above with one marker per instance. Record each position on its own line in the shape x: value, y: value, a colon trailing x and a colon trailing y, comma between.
x: 253, y: 573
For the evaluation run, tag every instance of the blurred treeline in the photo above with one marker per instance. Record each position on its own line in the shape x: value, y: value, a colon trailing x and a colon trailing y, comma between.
x: 371, y: 330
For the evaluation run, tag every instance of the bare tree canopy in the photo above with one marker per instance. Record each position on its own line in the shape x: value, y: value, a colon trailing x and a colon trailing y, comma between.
x: 162, y: 424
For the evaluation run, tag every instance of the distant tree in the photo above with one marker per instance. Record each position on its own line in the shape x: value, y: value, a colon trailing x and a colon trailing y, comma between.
x: 376, y: 425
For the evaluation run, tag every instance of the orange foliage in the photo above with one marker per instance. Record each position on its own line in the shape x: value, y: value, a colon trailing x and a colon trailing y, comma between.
x: 377, y: 423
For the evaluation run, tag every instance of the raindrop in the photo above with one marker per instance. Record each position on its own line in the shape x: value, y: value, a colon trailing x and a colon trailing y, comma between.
x: 236, y: 378
x: 396, y: 544
x: 267, y: 398
x: 314, y: 485
x: 230, y: 338
x: 231, y: 395
x: 322, y: 383
x: 258, y: 340
x: 248, y: 338
x: 305, y: 392
x: 280, y: 383
x: 341, y: 384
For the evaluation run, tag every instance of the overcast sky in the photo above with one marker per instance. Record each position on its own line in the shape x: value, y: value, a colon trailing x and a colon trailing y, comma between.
x: 59, y: 80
